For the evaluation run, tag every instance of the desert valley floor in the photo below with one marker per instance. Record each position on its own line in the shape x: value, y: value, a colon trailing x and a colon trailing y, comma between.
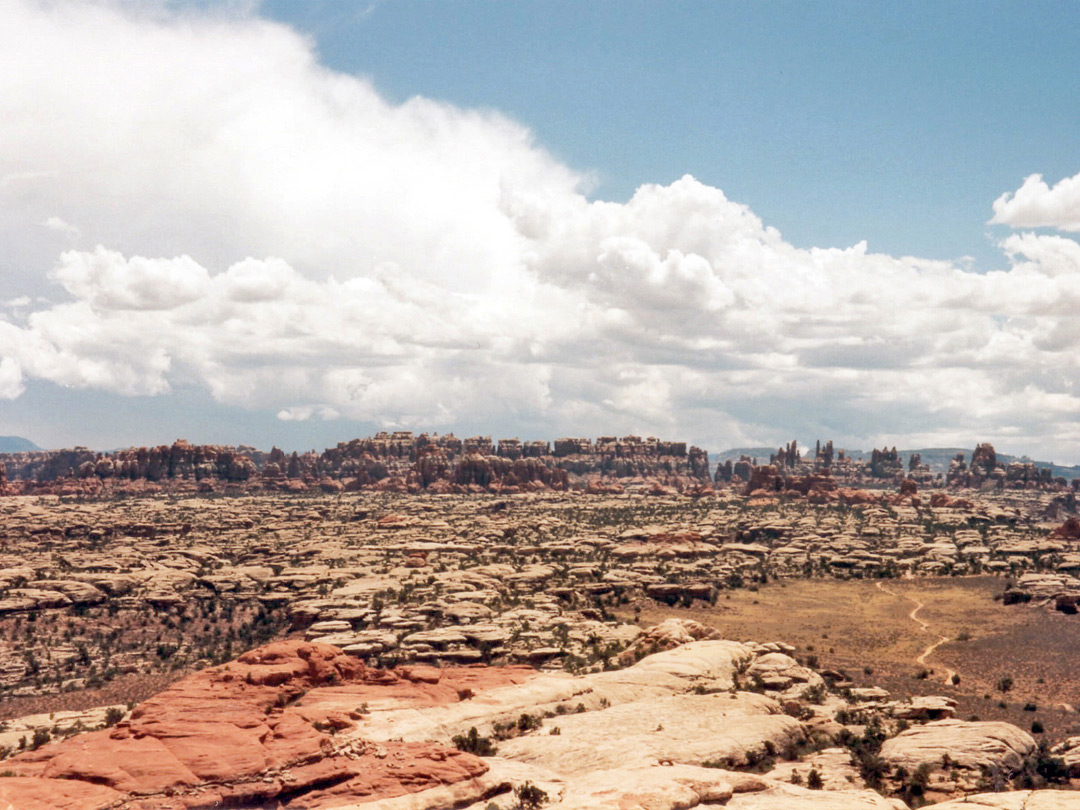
x: 387, y: 650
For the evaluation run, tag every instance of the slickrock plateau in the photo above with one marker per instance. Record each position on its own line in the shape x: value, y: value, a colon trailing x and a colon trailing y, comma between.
x: 969, y: 745
x: 304, y: 725
x: 189, y: 627
x: 1019, y: 800
x: 403, y: 462
x: 398, y: 462
x: 93, y: 591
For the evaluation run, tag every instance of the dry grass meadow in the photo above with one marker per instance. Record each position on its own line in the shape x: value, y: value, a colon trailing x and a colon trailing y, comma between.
x: 866, y: 631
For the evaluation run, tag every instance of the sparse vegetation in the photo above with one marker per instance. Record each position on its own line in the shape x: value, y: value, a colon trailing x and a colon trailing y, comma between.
x: 473, y: 743
x: 565, y: 575
x: 530, y: 797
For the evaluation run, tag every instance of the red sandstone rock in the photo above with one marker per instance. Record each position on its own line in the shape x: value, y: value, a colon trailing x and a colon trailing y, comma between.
x: 1069, y: 530
x: 667, y: 635
x: 266, y: 727
x: 943, y: 501
x: 52, y: 794
x: 398, y: 462
x: 857, y: 497
x: 394, y: 521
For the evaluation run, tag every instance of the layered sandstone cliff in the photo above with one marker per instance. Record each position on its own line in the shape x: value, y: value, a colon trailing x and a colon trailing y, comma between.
x: 398, y: 462
x: 303, y: 726
x: 825, y: 470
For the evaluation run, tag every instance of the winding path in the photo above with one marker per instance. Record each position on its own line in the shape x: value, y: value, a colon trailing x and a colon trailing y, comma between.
x: 924, y: 627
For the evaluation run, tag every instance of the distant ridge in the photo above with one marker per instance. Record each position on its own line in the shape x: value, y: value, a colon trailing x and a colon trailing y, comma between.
x: 1057, y: 470
x: 936, y: 458
x: 16, y: 444
x: 760, y: 453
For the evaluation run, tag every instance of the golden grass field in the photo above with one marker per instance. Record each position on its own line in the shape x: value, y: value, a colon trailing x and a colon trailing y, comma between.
x: 857, y: 625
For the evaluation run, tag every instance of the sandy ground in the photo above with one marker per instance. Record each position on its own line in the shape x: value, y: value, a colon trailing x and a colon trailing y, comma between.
x: 902, y: 627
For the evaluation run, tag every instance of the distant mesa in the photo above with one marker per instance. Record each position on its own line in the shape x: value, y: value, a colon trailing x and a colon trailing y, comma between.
x: 935, y: 459
x: 406, y: 463
x: 827, y: 473
x: 16, y: 444
x: 387, y: 462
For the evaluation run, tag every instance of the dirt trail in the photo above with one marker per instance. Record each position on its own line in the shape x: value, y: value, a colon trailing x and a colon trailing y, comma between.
x: 924, y: 627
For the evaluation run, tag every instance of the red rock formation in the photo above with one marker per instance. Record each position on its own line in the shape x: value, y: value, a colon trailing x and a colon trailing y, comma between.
x: 1069, y: 530
x: 397, y: 462
x: 59, y: 471
x: 939, y: 500
x: 263, y: 729
x: 986, y: 470
x: 857, y: 497
x: 787, y: 456
x: 984, y: 458
x: 807, y: 484
x: 885, y: 463
x: 766, y: 478
x: 771, y: 479
x: 827, y: 463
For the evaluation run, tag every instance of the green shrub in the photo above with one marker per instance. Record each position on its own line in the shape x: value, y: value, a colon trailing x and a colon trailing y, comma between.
x: 529, y: 796
x: 113, y: 715
x: 473, y: 743
x: 914, y: 786
x: 41, y: 736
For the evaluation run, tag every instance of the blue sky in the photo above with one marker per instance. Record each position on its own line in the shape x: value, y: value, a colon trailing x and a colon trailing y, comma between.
x: 732, y: 223
x: 835, y: 122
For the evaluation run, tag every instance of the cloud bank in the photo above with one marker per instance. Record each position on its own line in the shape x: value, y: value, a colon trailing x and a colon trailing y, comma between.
x: 1036, y: 205
x: 195, y: 201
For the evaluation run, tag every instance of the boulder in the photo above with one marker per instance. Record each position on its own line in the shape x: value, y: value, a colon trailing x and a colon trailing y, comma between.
x: 779, y: 796
x: 780, y: 672
x: 969, y: 744
x: 1014, y: 800
x: 691, y: 729
x: 667, y: 635
x: 925, y: 707
x: 240, y: 735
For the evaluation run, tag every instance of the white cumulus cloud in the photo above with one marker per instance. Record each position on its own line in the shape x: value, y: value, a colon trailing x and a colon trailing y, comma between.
x: 1035, y: 204
x: 255, y: 225
x: 11, y: 379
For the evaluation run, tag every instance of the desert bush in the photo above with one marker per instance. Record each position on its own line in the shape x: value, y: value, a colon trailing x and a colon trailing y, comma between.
x: 913, y: 786
x: 1042, y: 769
x: 864, y: 753
x: 41, y: 736
x: 113, y: 715
x: 529, y: 796
x: 473, y: 743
